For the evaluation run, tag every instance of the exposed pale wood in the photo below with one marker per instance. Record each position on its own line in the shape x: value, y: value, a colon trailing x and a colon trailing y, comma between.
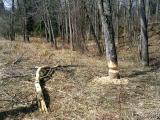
x: 107, y: 81
x: 40, y: 98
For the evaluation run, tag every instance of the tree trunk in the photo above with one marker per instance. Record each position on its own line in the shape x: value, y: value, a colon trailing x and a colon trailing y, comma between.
x: 70, y: 26
x: 93, y: 31
x: 12, y: 34
x: 129, y: 20
x: 26, y: 32
x: 117, y: 23
x: 144, y: 34
x: 66, y: 23
x: 52, y: 34
x: 147, y: 10
x: 47, y: 32
x: 106, y: 17
x: 157, y: 11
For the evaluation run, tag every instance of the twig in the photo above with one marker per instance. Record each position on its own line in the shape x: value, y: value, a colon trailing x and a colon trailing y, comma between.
x: 14, y: 76
x: 18, y: 59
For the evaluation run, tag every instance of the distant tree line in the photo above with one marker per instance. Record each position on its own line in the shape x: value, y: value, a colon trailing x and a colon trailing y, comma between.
x: 108, y: 23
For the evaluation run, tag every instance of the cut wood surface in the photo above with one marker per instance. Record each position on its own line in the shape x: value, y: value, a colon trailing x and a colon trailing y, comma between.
x: 40, y: 97
x: 39, y: 91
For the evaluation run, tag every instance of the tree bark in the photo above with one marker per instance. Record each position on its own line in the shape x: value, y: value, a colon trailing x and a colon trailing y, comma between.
x: 147, y: 10
x: 129, y: 19
x: 144, y: 34
x: 157, y: 11
x: 49, y: 27
x: 106, y: 18
x: 93, y: 31
x: 66, y: 23
x: 12, y: 34
x: 52, y: 33
x: 70, y: 26
x: 25, y: 23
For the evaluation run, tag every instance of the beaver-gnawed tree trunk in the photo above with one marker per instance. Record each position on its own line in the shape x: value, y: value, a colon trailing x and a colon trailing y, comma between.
x: 144, y: 34
x: 106, y: 18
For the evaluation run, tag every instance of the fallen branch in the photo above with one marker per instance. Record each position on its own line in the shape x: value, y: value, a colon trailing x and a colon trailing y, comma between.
x: 14, y: 76
x: 19, y: 59
x: 40, y: 97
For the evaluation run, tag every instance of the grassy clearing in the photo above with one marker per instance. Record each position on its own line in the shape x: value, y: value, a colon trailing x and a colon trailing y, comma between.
x: 71, y: 92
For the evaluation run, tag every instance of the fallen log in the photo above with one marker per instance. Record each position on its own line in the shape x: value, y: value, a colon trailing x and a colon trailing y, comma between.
x: 39, y: 91
x: 40, y: 97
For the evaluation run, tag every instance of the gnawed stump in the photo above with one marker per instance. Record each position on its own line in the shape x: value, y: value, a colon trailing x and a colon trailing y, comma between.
x: 107, y: 80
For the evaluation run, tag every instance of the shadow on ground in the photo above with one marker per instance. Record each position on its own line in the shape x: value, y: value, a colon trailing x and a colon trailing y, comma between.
x: 49, y: 73
x: 155, y: 63
x: 154, y: 67
x: 19, y: 111
x: 22, y: 111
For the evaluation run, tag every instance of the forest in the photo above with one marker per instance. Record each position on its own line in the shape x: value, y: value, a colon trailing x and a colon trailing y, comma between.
x: 79, y: 59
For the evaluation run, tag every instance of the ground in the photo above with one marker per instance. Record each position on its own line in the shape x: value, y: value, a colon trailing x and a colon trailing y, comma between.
x: 71, y: 93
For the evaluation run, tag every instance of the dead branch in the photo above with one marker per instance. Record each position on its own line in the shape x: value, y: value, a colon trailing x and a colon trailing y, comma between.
x: 40, y: 97
x: 19, y: 59
x: 14, y: 76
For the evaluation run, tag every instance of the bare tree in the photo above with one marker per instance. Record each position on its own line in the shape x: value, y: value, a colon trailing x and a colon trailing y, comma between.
x: 129, y: 19
x: 12, y: 32
x: 144, y: 55
x: 25, y: 23
x: 93, y: 30
x: 157, y: 11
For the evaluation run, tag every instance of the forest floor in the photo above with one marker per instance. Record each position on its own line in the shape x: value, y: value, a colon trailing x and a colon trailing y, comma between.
x: 71, y: 93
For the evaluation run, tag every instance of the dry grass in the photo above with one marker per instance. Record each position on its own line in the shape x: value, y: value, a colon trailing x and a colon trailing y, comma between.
x: 72, y: 92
